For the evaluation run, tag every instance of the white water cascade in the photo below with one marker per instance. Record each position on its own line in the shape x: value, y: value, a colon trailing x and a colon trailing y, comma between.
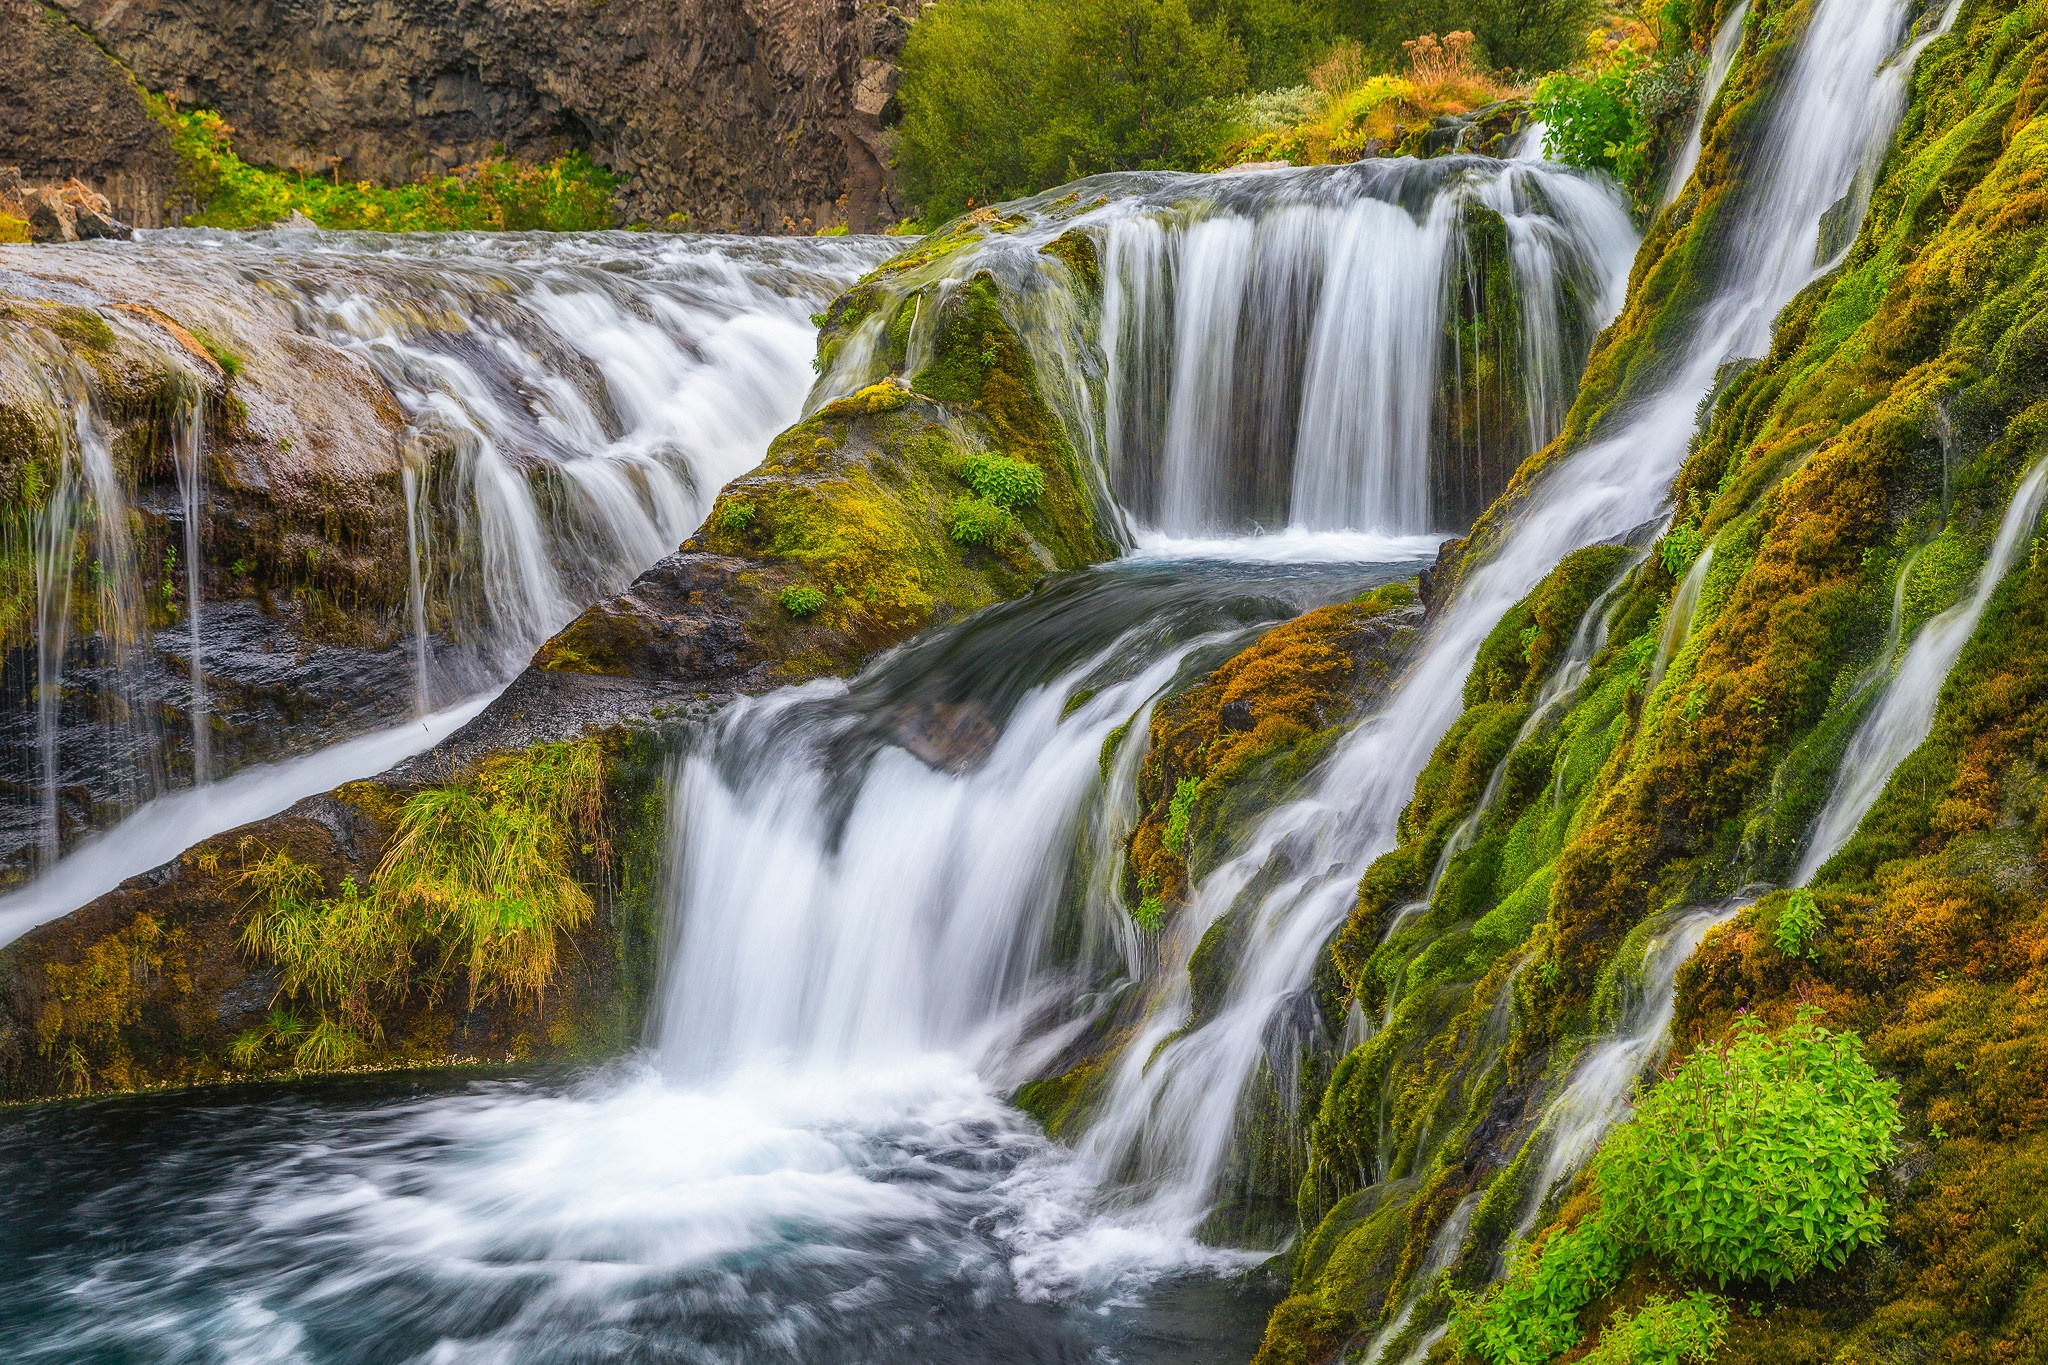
x: 1720, y: 61
x: 574, y: 404
x: 1172, y: 1108
x: 188, y: 441
x: 1277, y: 358
x: 1904, y: 715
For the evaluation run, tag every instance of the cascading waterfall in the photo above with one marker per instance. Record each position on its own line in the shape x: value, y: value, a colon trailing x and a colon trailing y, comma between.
x: 1720, y: 61
x: 1905, y: 713
x: 188, y: 440
x: 574, y: 404
x: 1172, y: 1106
x: 877, y: 917
x: 1277, y: 360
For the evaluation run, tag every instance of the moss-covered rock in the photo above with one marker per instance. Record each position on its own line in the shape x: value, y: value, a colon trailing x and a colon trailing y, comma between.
x: 400, y: 953
x: 866, y: 514
x: 1865, y: 461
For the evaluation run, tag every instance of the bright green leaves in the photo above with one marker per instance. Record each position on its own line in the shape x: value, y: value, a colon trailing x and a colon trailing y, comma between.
x: 1751, y: 1163
x: 1799, y: 920
x: 977, y: 521
x: 1662, y: 1332
x: 1002, y: 484
x: 1178, y: 812
x: 1007, y: 483
x: 1754, y: 1161
x: 1533, y: 1315
x: 802, y: 599
x: 1679, y: 548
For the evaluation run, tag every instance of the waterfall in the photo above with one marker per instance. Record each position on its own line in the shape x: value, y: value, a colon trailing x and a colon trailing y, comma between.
x: 188, y: 440
x: 1905, y: 714
x: 1172, y: 1106
x: 1720, y: 61
x: 1274, y: 355
x: 572, y: 405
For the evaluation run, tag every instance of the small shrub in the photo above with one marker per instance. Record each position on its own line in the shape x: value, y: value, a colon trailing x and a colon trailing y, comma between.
x: 485, y: 867
x: 738, y: 516
x: 328, y: 1047
x: 978, y: 521
x: 1798, y: 921
x: 802, y: 599
x: 1007, y: 483
x: 1662, y: 1332
x: 1533, y: 1315
x: 1754, y: 1161
x: 1590, y: 120
x: 1680, y: 547
x: 1439, y: 62
x: 1150, y: 914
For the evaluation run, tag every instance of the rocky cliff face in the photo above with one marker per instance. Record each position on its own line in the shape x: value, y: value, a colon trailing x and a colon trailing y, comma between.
x: 66, y: 110
x: 748, y: 115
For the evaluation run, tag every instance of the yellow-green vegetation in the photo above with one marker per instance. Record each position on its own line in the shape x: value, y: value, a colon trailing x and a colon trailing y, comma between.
x: 568, y: 194
x: 1350, y: 110
x: 900, y: 503
x: 1223, y: 749
x: 1004, y: 98
x: 477, y: 877
x: 13, y: 229
x: 90, y: 1003
x: 1872, y: 450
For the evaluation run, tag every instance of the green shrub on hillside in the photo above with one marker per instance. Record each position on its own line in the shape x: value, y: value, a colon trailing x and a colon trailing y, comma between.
x: 1751, y: 1163
x: 569, y: 194
x: 1004, y: 97
x: 1003, y: 481
x: 1754, y: 1161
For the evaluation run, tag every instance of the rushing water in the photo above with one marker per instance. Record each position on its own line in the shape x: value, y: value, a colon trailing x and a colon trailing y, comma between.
x: 1905, y: 713
x: 573, y: 404
x: 813, y: 1164
x: 1172, y: 1108
x: 878, y: 917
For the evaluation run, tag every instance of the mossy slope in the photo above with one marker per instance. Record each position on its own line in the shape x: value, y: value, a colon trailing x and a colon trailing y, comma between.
x: 1904, y: 395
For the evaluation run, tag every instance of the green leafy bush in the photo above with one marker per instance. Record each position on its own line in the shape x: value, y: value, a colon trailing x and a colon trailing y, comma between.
x: 1798, y: 921
x: 569, y: 194
x: 1590, y: 119
x: 802, y: 599
x: 979, y: 521
x: 1002, y: 98
x: 1662, y: 1332
x: 738, y: 517
x: 1150, y: 914
x: 1007, y: 483
x: 1533, y: 1315
x: 1679, y: 548
x: 1754, y: 1161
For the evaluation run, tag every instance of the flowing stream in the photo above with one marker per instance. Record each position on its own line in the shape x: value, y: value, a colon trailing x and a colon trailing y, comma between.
x: 878, y: 919
x: 572, y: 405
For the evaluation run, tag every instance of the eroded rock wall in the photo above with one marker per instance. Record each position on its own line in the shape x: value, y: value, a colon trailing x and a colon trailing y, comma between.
x: 746, y: 115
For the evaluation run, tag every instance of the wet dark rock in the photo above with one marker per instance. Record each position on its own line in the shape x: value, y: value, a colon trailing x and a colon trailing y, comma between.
x: 1238, y: 715
x: 952, y: 736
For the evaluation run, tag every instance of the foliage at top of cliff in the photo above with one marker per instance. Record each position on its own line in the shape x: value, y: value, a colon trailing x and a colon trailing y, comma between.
x: 1003, y: 98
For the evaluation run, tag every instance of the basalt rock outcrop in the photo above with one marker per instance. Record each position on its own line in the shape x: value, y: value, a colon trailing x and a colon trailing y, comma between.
x: 749, y: 115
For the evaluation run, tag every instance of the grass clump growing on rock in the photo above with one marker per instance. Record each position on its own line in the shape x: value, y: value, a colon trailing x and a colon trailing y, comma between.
x: 476, y: 877
x: 802, y: 599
